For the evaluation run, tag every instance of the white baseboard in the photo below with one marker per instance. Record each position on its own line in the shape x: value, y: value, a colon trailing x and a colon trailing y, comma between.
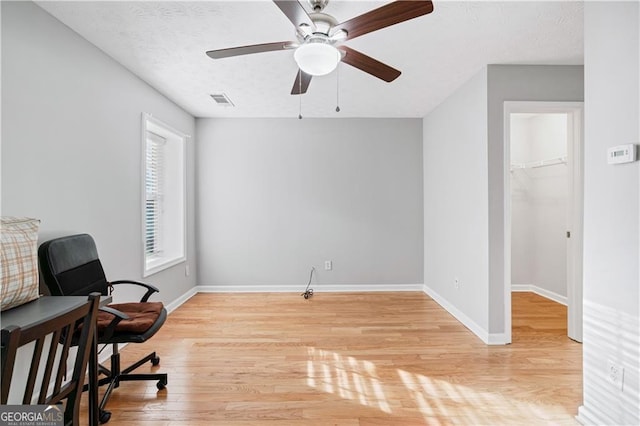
x: 484, y: 335
x: 521, y: 287
x: 540, y: 292
x: 498, y: 339
x: 317, y: 288
x: 170, y: 307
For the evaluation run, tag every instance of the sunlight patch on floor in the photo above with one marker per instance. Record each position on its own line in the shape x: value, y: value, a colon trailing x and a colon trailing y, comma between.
x: 347, y: 377
x: 436, y: 398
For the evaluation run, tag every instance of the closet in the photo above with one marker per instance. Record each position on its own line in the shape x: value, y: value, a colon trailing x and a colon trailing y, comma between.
x: 540, y: 197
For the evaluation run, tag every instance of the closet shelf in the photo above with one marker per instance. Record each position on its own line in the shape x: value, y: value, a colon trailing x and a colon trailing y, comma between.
x: 541, y: 163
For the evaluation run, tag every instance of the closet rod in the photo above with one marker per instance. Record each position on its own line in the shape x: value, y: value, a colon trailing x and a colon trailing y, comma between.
x: 540, y: 163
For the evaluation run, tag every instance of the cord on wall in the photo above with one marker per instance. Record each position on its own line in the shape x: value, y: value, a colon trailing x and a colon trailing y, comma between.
x: 308, y: 292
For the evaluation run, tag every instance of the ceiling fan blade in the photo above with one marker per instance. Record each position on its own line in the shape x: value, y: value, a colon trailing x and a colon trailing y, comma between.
x: 368, y: 64
x: 295, y: 12
x: 301, y: 84
x: 385, y: 16
x: 254, y: 48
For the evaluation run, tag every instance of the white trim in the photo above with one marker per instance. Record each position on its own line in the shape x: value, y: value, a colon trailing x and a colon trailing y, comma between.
x: 167, y: 130
x: 498, y: 339
x: 517, y: 288
x: 170, y: 307
x: 575, y: 219
x: 486, y: 337
x: 506, y: 244
x: 164, y: 265
x: 318, y: 288
x: 157, y: 122
x: 558, y: 298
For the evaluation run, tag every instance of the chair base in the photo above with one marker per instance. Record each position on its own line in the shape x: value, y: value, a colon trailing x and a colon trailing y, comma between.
x: 114, y: 376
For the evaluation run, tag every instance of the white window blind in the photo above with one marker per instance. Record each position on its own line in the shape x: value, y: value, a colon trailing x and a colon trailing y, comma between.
x: 163, y: 203
x: 154, y: 177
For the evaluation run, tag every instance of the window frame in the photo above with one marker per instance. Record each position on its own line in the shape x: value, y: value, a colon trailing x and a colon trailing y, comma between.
x: 178, y: 254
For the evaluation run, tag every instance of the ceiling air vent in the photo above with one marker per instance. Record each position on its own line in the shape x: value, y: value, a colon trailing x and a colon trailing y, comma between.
x: 222, y: 99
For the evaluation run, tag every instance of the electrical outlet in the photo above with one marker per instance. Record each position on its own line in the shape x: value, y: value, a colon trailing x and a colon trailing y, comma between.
x: 615, y: 374
x: 328, y: 265
x: 456, y: 283
x: 187, y: 270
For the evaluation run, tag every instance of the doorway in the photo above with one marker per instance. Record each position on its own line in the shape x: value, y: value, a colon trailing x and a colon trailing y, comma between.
x: 543, y: 205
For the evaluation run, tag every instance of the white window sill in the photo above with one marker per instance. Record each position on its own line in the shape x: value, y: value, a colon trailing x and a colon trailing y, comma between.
x: 153, y: 266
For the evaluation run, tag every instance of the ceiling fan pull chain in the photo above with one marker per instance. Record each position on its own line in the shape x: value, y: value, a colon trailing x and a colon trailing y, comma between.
x: 338, y: 88
x: 299, y: 94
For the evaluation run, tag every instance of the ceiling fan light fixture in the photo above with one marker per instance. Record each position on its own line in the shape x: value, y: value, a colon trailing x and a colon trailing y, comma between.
x: 317, y: 58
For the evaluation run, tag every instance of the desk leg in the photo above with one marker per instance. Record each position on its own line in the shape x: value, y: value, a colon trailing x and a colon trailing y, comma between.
x: 93, y: 381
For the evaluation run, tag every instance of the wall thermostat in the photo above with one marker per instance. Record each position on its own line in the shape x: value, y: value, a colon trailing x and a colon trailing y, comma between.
x: 621, y: 154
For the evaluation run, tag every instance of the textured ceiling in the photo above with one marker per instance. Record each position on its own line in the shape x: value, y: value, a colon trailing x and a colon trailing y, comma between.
x: 164, y: 43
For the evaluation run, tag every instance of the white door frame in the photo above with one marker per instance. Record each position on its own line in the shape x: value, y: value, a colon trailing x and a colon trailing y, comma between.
x: 575, y: 113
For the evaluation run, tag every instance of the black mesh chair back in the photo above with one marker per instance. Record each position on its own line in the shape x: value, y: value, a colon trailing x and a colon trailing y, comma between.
x: 75, y: 269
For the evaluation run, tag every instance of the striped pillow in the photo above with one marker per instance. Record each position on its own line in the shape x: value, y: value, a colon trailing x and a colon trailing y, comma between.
x: 19, y: 258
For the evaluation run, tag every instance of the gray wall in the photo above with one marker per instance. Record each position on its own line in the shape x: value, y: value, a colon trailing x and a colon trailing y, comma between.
x: 278, y: 196
x: 71, y: 153
x: 515, y: 83
x: 455, y: 204
x: 612, y: 209
x: 464, y: 143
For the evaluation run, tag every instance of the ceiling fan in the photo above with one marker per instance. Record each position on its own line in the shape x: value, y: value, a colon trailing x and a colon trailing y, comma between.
x: 318, y: 48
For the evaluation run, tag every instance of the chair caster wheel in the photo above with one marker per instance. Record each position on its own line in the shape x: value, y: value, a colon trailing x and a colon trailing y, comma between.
x: 161, y: 385
x: 104, y: 416
x: 155, y: 361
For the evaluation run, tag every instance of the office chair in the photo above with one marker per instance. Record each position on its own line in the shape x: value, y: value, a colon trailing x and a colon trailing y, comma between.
x: 64, y: 328
x: 70, y: 266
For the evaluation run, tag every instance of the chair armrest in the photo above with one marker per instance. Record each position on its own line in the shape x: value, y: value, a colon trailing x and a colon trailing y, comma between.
x: 150, y: 288
x: 117, y: 317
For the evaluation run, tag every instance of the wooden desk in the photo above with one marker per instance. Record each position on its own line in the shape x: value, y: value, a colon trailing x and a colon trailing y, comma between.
x: 46, y: 308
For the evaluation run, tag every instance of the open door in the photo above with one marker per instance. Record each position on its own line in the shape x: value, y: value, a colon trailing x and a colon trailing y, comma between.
x: 547, y: 184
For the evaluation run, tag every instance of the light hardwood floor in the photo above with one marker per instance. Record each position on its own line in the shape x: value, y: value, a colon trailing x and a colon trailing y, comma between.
x: 352, y: 359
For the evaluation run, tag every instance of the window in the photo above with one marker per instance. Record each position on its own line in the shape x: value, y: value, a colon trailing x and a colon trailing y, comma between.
x: 163, y: 211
